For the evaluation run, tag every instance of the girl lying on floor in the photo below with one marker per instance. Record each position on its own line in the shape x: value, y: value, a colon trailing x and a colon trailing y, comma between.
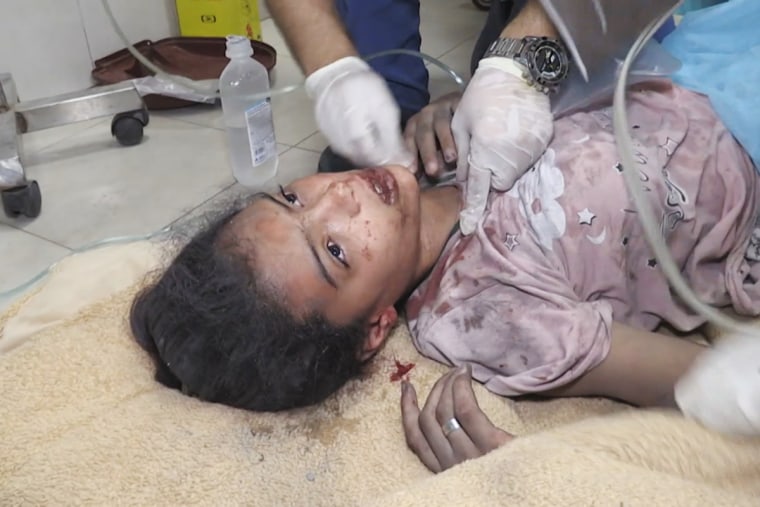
x: 280, y: 302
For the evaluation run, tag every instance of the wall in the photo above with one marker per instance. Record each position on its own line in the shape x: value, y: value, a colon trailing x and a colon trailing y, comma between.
x: 49, y: 45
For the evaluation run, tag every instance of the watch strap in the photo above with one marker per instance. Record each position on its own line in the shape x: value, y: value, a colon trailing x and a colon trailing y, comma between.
x: 507, y: 48
x: 518, y: 50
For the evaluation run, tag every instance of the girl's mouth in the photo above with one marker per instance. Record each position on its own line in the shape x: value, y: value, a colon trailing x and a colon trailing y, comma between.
x: 382, y: 183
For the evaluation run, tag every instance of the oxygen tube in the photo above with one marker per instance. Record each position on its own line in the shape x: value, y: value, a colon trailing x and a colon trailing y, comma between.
x: 651, y: 228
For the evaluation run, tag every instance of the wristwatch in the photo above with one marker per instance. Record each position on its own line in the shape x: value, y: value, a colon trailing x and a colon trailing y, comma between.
x: 545, y: 60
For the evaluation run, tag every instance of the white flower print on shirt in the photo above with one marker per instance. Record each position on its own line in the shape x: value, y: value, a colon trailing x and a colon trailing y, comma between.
x: 538, y: 191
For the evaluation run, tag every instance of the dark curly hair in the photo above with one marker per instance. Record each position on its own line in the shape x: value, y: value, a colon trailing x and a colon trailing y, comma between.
x: 217, y: 333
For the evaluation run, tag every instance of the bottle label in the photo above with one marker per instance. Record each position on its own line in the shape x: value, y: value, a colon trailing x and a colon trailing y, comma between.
x: 258, y: 119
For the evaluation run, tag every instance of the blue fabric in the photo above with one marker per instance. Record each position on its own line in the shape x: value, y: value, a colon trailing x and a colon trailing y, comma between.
x: 719, y: 48
x: 693, y: 5
x: 379, y: 25
x: 665, y: 29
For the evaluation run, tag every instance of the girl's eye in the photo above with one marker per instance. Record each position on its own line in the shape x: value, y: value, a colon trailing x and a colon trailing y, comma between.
x: 289, y: 197
x: 337, y: 252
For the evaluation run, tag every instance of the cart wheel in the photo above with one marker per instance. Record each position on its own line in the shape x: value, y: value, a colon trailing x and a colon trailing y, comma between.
x: 128, y: 127
x: 128, y: 130
x: 483, y: 5
x: 23, y: 200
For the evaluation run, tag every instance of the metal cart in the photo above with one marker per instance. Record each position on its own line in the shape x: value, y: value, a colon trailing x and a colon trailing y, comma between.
x: 122, y: 101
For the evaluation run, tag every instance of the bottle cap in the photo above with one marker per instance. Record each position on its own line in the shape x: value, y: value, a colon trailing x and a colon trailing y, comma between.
x: 238, y: 47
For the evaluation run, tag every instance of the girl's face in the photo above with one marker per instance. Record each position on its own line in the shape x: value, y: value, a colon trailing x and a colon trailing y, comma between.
x: 342, y: 244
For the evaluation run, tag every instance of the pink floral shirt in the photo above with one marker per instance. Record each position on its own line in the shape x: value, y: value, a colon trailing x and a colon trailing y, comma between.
x: 529, y: 298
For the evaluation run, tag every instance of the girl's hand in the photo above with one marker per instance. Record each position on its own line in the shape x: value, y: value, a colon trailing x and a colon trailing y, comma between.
x: 451, y: 428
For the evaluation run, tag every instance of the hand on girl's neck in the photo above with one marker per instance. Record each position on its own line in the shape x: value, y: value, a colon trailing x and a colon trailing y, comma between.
x: 439, y: 213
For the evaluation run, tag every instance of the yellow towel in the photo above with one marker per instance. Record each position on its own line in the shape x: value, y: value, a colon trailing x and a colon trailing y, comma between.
x: 85, y: 423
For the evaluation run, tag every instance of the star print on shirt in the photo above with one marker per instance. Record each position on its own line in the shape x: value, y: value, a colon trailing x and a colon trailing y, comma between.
x: 652, y: 263
x: 511, y: 242
x: 669, y: 146
x: 585, y: 216
x: 638, y: 154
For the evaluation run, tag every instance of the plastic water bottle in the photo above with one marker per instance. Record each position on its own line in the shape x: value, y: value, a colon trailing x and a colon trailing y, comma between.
x: 251, y: 143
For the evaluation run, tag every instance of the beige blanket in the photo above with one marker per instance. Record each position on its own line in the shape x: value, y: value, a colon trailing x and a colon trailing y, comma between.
x: 83, y: 422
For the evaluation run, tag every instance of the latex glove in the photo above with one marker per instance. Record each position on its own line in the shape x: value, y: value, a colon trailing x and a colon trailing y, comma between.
x: 501, y: 128
x: 722, y: 389
x: 357, y: 113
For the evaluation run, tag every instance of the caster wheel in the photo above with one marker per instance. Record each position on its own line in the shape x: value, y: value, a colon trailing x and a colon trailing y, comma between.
x: 24, y: 200
x: 483, y: 5
x: 128, y: 128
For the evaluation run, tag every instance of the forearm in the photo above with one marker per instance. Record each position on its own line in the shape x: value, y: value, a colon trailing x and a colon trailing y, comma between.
x: 530, y: 21
x: 641, y: 368
x: 313, y: 31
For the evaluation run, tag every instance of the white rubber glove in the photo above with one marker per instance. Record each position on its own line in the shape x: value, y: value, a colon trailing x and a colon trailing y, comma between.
x: 357, y: 114
x: 722, y: 389
x: 501, y: 128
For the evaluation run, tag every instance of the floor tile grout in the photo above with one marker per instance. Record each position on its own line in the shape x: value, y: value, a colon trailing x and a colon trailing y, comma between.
x: 47, y: 240
x: 304, y: 140
x: 68, y: 137
x: 197, y: 207
x: 182, y: 120
x: 473, y: 39
x: 312, y: 150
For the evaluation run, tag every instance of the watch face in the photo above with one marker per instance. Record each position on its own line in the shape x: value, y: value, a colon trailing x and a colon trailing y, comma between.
x: 550, y: 62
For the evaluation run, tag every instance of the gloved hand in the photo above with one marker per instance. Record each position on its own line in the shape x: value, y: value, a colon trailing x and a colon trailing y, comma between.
x: 722, y: 389
x: 357, y: 113
x: 501, y: 127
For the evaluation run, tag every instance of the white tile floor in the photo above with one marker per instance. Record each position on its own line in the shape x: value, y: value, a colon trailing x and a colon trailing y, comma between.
x: 94, y: 189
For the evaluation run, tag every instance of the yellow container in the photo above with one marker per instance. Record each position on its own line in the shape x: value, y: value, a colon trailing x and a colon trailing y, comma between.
x: 219, y: 18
